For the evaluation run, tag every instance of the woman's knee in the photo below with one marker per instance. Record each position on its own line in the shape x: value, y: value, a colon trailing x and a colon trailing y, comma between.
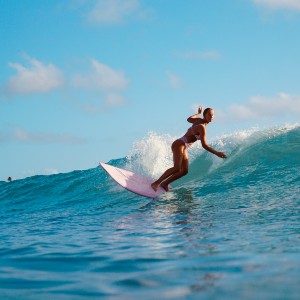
x: 176, y: 170
x: 184, y: 171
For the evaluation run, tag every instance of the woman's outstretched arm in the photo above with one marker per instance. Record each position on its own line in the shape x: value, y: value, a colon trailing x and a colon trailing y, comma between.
x: 202, y: 132
x: 193, y: 118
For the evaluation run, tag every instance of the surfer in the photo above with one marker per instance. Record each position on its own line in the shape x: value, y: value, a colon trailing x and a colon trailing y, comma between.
x: 180, y: 148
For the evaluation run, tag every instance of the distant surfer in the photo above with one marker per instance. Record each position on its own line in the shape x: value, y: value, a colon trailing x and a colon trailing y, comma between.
x: 9, y: 179
x: 180, y: 148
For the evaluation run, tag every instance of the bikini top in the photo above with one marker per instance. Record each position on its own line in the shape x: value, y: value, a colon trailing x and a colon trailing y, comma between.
x: 197, y: 136
x: 184, y: 138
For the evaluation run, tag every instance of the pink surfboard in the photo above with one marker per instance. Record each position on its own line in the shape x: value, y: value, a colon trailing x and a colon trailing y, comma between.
x: 132, y: 182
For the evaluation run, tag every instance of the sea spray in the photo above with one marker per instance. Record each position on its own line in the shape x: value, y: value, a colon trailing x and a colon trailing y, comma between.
x: 151, y: 155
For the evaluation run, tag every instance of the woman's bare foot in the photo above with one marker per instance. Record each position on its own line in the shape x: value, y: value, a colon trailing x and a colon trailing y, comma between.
x: 155, y: 185
x: 165, y: 186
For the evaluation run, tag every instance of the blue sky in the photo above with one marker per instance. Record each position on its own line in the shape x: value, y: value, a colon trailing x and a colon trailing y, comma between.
x: 82, y: 80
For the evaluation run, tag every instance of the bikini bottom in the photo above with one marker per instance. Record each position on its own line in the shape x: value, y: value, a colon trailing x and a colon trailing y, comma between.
x: 184, y: 139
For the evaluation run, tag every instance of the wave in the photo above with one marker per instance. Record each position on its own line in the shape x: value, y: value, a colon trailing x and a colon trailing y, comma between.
x: 254, y: 155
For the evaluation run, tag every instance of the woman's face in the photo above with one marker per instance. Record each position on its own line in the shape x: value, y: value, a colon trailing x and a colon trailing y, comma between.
x: 209, y: 116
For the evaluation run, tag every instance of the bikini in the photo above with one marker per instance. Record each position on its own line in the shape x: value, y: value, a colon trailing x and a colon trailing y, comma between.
x: 184, y: 139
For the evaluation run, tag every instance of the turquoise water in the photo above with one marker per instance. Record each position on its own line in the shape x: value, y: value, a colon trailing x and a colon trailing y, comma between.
x: 229, y: 230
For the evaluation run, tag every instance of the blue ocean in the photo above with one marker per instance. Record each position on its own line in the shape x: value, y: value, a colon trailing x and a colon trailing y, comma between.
x: 230, y: 229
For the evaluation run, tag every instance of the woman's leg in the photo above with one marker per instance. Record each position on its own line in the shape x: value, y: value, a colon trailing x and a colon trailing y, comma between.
x: 178, y: 150
x: 182, y: 172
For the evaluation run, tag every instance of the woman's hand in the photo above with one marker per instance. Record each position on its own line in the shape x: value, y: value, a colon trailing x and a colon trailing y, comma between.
x: 221, y: 154
x: 195, y: 117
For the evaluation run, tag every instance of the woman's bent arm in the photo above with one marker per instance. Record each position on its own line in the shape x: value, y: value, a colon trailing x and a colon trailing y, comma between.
x: 195, y: 117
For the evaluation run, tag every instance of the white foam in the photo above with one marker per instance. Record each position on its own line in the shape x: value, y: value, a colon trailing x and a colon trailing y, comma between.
x: 245, y: 138
x: 152, y: 155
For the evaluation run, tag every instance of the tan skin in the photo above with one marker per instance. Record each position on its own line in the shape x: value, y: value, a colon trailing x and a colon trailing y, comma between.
x: 180, y: 153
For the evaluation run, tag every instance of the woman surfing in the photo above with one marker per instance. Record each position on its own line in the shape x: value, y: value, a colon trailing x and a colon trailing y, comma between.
x: 180, y: 148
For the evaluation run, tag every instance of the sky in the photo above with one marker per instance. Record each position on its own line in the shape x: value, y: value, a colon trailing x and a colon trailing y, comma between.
x: 82, y: 80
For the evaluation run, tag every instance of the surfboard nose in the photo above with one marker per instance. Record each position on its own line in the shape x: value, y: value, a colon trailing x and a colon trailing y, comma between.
x: 133, y: 182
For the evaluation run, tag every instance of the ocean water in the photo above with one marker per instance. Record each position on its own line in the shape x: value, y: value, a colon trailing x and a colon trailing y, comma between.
x: 230, y: 229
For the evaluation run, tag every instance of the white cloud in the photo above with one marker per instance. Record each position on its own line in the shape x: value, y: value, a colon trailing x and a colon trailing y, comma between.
x: 113, y: 99
x: 108, y: 82
x: 280, y: 4
x: 260, y: 107
x: 35, y: 78
x: 212, y: 54
x: 21, y: 135
x: 24, y: 136
x: 114, y: 11
x: 174, y: 80
x: 101, y: 77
